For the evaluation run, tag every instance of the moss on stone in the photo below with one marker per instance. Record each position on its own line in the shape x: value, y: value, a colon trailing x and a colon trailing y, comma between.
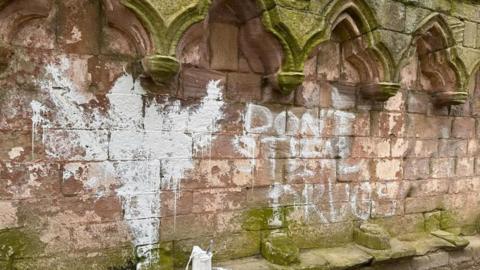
x: 258, y: 219
x: 449, y: 222
x: 451, y: 238
x: 278, y: 248
x: 372, y: 236
x: 432, y: 221
x: 165, y: 254
x: 17, y: 243
x: 321, y: 236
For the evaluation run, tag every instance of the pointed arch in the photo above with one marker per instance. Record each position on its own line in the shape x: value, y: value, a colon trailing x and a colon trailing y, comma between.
x: 121, y: 20
x: 359, y: 20
x: 433, y: 45
x: 351, y: 24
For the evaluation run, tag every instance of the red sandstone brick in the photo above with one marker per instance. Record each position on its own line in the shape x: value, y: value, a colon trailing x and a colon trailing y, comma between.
x: 465, y: 167
x: 419, y: 102
x: 464, y: 185
x: 442, y: 167
x: 353, y: 169
x: 108, y: 208
x: 215, y: 200
x: 387, y: 208
x: 195, y: 80
x: 424, y: 148
x: 428, y: 127
x: 365, y: 147
x: 329, y: 61
x: 29, y: 180
x: 400, y: 147
x: 318, y: 148
x: 463, y: 127
x: 15, y: 145
x: 310, y: 171
x: 279, y: 147
x: 244, y: 87
x: 384, y: 124
x: 409, y: 74
x: 176, y: 203
x: 223, y: 46
x: 220, y: 173
x: 309, y: 95
x: 303, y: 122
x: 229, y: 221
x: 396, y: 103
x: 416, y: 169
x: 423, y: 204
x: 452, y: 148
x: 77, y: 26
x: 187, y: 226
x: 388, y: 169
x: 269, y: 171
x: 426, y: 188
x: 225, y: 147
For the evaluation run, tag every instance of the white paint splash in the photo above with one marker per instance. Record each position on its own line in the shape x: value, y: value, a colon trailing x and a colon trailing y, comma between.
x: 75, y: 36
x: 15, y: 152
x: 153, y: 150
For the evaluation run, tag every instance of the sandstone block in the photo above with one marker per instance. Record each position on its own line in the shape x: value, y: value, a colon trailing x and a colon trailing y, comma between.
x: 244, y: 87
x: 223, y: 46
x: 278, y: 248
x: 372, y: 236
x: 463, y: 127
x: 195, y: 80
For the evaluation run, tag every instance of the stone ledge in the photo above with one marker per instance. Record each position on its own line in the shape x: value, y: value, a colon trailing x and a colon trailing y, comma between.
x: 354, y: 256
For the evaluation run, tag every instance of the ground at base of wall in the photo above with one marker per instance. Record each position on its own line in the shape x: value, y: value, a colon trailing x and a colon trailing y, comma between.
x: 354, y: 257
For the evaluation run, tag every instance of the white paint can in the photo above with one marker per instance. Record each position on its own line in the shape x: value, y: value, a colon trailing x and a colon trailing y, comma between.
x: 200, y: 259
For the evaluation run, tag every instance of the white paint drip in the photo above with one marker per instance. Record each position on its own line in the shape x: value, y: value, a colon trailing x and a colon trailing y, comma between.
x: 37, y: 120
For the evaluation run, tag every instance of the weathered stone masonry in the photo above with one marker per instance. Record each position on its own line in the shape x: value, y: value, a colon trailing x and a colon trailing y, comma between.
x: 307, y: 134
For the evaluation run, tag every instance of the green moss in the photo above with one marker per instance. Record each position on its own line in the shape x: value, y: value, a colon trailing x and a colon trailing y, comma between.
x: 449, y: 222
x: 258, y: 219
x: 372, y: 236
x: 321, y: 235
x: 165, y: 254
x: 289, y: 81
x: 278, y: 248
x: 161, y: 68
x: 16, y: 244
x: 432, y: 221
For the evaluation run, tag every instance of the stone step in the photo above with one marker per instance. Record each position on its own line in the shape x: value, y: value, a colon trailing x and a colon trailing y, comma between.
x: 354, y: 255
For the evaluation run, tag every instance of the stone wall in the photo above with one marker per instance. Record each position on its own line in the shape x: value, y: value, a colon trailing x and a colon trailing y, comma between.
x: 132, y: 130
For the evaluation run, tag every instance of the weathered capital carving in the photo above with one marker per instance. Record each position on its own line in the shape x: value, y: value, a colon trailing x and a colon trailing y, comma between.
x: 381, y: 91
x: 161, y: 68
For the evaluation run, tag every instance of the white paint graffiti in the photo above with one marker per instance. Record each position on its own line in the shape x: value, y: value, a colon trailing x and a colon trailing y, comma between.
x: 311, y: 133
x: 143, y: 149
